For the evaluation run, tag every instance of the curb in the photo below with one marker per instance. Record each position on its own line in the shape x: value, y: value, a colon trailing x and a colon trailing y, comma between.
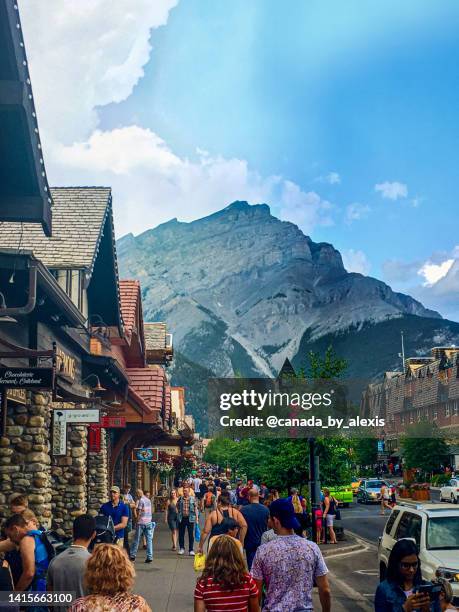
x: 328, y: 553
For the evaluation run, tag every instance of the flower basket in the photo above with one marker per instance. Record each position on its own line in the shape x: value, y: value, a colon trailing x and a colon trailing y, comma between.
x: 421, y: 495
x: 404, y: 493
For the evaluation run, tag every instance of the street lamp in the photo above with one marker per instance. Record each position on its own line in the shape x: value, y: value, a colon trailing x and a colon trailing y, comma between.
x: 98, y: 386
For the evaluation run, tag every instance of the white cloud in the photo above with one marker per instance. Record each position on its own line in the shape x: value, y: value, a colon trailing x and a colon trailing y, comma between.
x: 356, y: 211
x: 356, y: 261
x: 306, y: 209
x: 94, y: 54
x: 83, y: 55
x: 333, y: 178
x: 392, y: 191
x: 151, y: 183
x: 432, y: 272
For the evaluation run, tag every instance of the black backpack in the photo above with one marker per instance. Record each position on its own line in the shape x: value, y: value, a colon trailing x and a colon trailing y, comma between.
x: 105, y: 531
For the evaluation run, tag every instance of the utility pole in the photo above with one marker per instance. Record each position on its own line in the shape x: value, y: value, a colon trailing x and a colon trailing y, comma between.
x: 403, y: 352
x: 314, y: 485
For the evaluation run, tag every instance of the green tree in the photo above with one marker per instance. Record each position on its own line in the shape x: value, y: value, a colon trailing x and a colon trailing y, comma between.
x: 423, y: 447
x: 325, y: 368
x: 365, y: 451
x: 221, y: 451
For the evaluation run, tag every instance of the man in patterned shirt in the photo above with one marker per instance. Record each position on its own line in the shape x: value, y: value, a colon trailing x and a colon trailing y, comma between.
x: 289, y: 565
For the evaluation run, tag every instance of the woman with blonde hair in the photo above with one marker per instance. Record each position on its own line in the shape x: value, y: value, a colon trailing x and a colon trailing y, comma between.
x: 109, y: 578
x: 225, y: 583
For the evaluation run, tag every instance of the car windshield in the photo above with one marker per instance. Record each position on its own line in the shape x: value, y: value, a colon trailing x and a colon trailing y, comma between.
x: 443, y: 533
x: 375, y: 484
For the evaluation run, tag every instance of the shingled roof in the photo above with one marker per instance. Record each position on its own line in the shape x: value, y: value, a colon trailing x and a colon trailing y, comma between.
x: 155, y: 336
x: 150, y: 384
x: 79, y: 215
x: 130, y: 300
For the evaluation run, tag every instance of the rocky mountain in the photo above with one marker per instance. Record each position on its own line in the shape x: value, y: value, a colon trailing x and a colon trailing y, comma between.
x: 242, y: 290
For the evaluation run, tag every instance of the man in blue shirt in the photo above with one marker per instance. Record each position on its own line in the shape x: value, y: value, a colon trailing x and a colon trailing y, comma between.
x: 119, y: 511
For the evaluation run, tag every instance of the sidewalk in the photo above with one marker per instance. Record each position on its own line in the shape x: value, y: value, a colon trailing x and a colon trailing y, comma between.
x: 168, y: 583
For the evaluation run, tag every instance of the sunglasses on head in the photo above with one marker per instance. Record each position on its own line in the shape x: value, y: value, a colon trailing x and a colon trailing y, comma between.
x: 404, y: 565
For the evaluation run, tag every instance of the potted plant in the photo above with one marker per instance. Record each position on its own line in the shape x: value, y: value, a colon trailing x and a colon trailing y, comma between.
x: 404, y: 490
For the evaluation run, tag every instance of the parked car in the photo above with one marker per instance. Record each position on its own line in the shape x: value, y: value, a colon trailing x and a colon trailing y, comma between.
x: 435, y: 529
x: 342, y: 494
x: 450, y: 491
x: 369, y: 491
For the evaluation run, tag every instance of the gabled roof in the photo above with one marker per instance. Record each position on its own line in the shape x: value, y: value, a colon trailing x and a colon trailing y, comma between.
x: 155, y: 336
x: 24, y: 190
x: 150, y: 384
x: 79, y: 215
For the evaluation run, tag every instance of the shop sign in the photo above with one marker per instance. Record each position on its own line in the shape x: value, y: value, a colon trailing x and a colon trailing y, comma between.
x: 27, y: 378
x: 66, y: 364
x: 174, y: 451
x: 59, y: 442
x: 94, y: 437
x: 60, y: 420
x: 112, y: 422
x: 82, y: 416
x: 145, y: 454
x: 17, y: 395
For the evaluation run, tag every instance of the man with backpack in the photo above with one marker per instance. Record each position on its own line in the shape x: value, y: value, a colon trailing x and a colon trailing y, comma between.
x: 36, y: 554
x: 66, y: 571
x: 208, y: 502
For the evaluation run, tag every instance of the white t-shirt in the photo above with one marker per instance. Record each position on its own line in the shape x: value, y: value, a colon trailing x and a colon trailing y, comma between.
x: 196, y: 484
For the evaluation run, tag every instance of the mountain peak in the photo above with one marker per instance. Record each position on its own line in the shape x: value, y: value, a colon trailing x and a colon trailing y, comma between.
x: 243, y: 206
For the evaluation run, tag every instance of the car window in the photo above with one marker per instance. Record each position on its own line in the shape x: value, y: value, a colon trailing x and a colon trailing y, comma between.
x: 409, y: 526
x: 391, y: 521
x: 375, y: 484
x: 443, y: 533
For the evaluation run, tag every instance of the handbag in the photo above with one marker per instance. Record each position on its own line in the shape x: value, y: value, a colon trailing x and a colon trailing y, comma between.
x: 338, y: 514
x: 197, y: 532
x: 199, y: 562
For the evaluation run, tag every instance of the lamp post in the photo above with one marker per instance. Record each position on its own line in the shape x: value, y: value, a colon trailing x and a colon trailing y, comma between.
x: 314, y: 484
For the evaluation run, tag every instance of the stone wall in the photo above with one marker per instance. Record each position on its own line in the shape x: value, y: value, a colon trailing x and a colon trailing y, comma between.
x: 98, y: 483
x: 69, y: 479
x: 25, y: 464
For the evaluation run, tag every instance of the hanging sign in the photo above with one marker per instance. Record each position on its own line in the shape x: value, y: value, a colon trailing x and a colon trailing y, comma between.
x: 82, y: 416
x: 27, y: 378
x: 17, y: 395
x: 145, y: 454
x: 94, y: 437
x: 112, y: 422
x: 60, y: 420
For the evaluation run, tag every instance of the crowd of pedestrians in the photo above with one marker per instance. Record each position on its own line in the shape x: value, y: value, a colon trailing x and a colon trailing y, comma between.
x: 257, y: 553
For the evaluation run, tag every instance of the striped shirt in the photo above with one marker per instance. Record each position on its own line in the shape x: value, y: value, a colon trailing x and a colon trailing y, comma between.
x: 221, y: 600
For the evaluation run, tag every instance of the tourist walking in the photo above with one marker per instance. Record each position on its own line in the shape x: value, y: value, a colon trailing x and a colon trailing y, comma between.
x: 187, y: 515
x: 66, y: 571
x: 208, y: 502
x: 127, y: 498
x: 225, y: 583
x: 330, y: 505
x: 256, y: 516
x: 397, y: 593
x: 145, y: 527
x: 213, y: 523
x: 299, y: 505
x: 119, y: 512
x: 109, y: 578
x: 171, y: 518
x: 289, y: 565
x: 385, y: 494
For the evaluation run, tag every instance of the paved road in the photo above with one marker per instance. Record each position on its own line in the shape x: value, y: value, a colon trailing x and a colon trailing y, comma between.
x: 366, y: 521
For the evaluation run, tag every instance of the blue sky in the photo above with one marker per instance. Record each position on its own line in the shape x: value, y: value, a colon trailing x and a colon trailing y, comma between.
x: 341, y: 115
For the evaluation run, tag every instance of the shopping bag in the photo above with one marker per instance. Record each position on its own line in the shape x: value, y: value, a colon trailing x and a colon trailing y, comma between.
x: 199, y: 562
x: 197, y: 532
